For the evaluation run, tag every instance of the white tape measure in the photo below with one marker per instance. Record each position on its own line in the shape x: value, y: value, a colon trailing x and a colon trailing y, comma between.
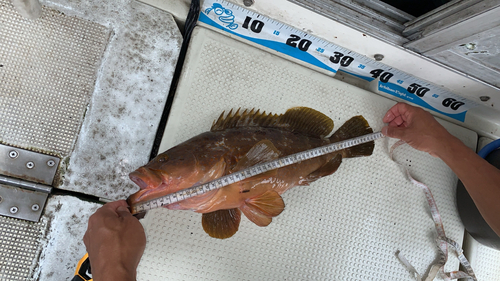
x: 252, y: 171
x: 326, y: 55
x: 437, y: 267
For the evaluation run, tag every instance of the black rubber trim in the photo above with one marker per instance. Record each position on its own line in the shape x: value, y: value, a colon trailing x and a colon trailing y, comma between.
x: 191, y: 20
x: 81, y: 196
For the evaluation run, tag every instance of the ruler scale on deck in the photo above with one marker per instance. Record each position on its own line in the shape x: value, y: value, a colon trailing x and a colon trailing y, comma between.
x: 298, y: 44
x: 252, y: 171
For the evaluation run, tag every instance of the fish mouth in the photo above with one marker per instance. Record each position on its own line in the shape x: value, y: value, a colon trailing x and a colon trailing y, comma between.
x: 149, y: 182
x: 145, y: 178
x: 137, y: 180
x: 144, y: 195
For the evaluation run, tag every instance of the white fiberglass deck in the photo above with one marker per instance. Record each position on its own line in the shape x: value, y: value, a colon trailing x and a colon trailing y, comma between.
x: 347, y: 226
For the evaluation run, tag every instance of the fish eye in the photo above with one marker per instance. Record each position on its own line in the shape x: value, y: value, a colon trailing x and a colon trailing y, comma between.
x: 163, y: 159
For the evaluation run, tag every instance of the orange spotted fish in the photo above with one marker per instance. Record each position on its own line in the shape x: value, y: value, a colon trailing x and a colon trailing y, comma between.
x: 238, y: 141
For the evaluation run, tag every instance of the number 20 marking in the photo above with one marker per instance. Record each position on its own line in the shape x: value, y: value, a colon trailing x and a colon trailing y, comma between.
x: 303, y: 44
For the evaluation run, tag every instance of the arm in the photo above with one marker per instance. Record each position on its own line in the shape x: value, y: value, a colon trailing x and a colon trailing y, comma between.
x: 115, y: 242
x: 420, y: 130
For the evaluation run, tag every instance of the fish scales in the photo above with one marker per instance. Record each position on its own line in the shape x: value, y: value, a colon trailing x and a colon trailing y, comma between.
x: 238, y: 141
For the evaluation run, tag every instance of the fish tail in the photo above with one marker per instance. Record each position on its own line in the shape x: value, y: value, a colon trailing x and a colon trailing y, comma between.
x: 354, y: 127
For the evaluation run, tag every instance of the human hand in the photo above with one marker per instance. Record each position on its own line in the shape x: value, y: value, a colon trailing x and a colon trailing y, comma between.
x: 115, y: 242
x: 416, y: 127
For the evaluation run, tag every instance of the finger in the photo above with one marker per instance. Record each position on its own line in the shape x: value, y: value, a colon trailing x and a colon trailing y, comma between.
x: 392, y: 113
x: 397, y: 122
x: 405, y: 111
x: 393, y: 132
x: 114, y: 205
x: 105, y: 211
x: 109, y: 209
x: 389, y: 116
x: 123, y: 211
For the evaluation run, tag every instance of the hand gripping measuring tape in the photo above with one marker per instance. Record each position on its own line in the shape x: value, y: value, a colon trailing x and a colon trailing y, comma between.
x: 252, y: 171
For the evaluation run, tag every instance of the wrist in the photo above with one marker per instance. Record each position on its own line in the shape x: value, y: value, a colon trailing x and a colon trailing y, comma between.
x: 449, y: 147
x: 113, y: 272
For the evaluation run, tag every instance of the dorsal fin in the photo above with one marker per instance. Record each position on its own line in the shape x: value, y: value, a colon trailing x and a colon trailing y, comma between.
x: 297, y: 119
x: 307, y: 121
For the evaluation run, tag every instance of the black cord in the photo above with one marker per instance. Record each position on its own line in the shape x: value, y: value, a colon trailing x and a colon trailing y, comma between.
x: 191, y: 20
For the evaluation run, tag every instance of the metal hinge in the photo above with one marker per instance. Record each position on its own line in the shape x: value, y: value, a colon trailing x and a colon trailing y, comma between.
x: 21, y: 199
x: 25, y: 177
x: 27, y: 165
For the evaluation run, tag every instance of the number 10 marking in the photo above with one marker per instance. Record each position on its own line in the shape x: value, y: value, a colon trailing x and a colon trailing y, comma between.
x: 256, y: 25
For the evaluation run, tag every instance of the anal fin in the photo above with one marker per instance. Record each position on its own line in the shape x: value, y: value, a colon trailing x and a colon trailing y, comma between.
x: 221, y: 224
x: 261, y: 209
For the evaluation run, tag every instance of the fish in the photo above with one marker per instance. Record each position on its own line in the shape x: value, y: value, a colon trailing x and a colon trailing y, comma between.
x: 240, y: 140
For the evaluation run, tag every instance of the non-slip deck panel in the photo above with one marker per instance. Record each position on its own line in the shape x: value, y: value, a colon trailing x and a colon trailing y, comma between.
x: 19, y: 247
x: 48, y: 69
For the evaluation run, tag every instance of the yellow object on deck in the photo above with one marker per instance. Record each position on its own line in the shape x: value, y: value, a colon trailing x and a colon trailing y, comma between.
x: 83, y: 272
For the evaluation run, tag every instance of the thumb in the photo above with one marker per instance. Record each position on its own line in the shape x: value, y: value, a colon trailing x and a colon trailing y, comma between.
x: 394, y: 132
x: 123, y: 211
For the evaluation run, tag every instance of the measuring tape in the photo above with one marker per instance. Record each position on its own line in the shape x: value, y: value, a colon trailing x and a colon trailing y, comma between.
x: 250, y: 172
x: 326, y: 55
x: 442, y: 241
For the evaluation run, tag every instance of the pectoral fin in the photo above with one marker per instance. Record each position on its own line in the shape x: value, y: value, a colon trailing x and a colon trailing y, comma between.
x: 216, y: 171
x: 221, y: 224
x: 263, y: 151
x: 329, y: 168
x: 261, y: 209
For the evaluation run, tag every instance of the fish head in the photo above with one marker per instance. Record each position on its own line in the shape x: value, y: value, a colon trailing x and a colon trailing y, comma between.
x: 169, y: 172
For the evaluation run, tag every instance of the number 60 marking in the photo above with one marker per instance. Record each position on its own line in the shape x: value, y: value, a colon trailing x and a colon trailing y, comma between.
x: 452, y: 103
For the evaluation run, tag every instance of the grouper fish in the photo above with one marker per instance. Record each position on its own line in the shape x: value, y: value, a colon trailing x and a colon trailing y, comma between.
x: 240, y: 140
